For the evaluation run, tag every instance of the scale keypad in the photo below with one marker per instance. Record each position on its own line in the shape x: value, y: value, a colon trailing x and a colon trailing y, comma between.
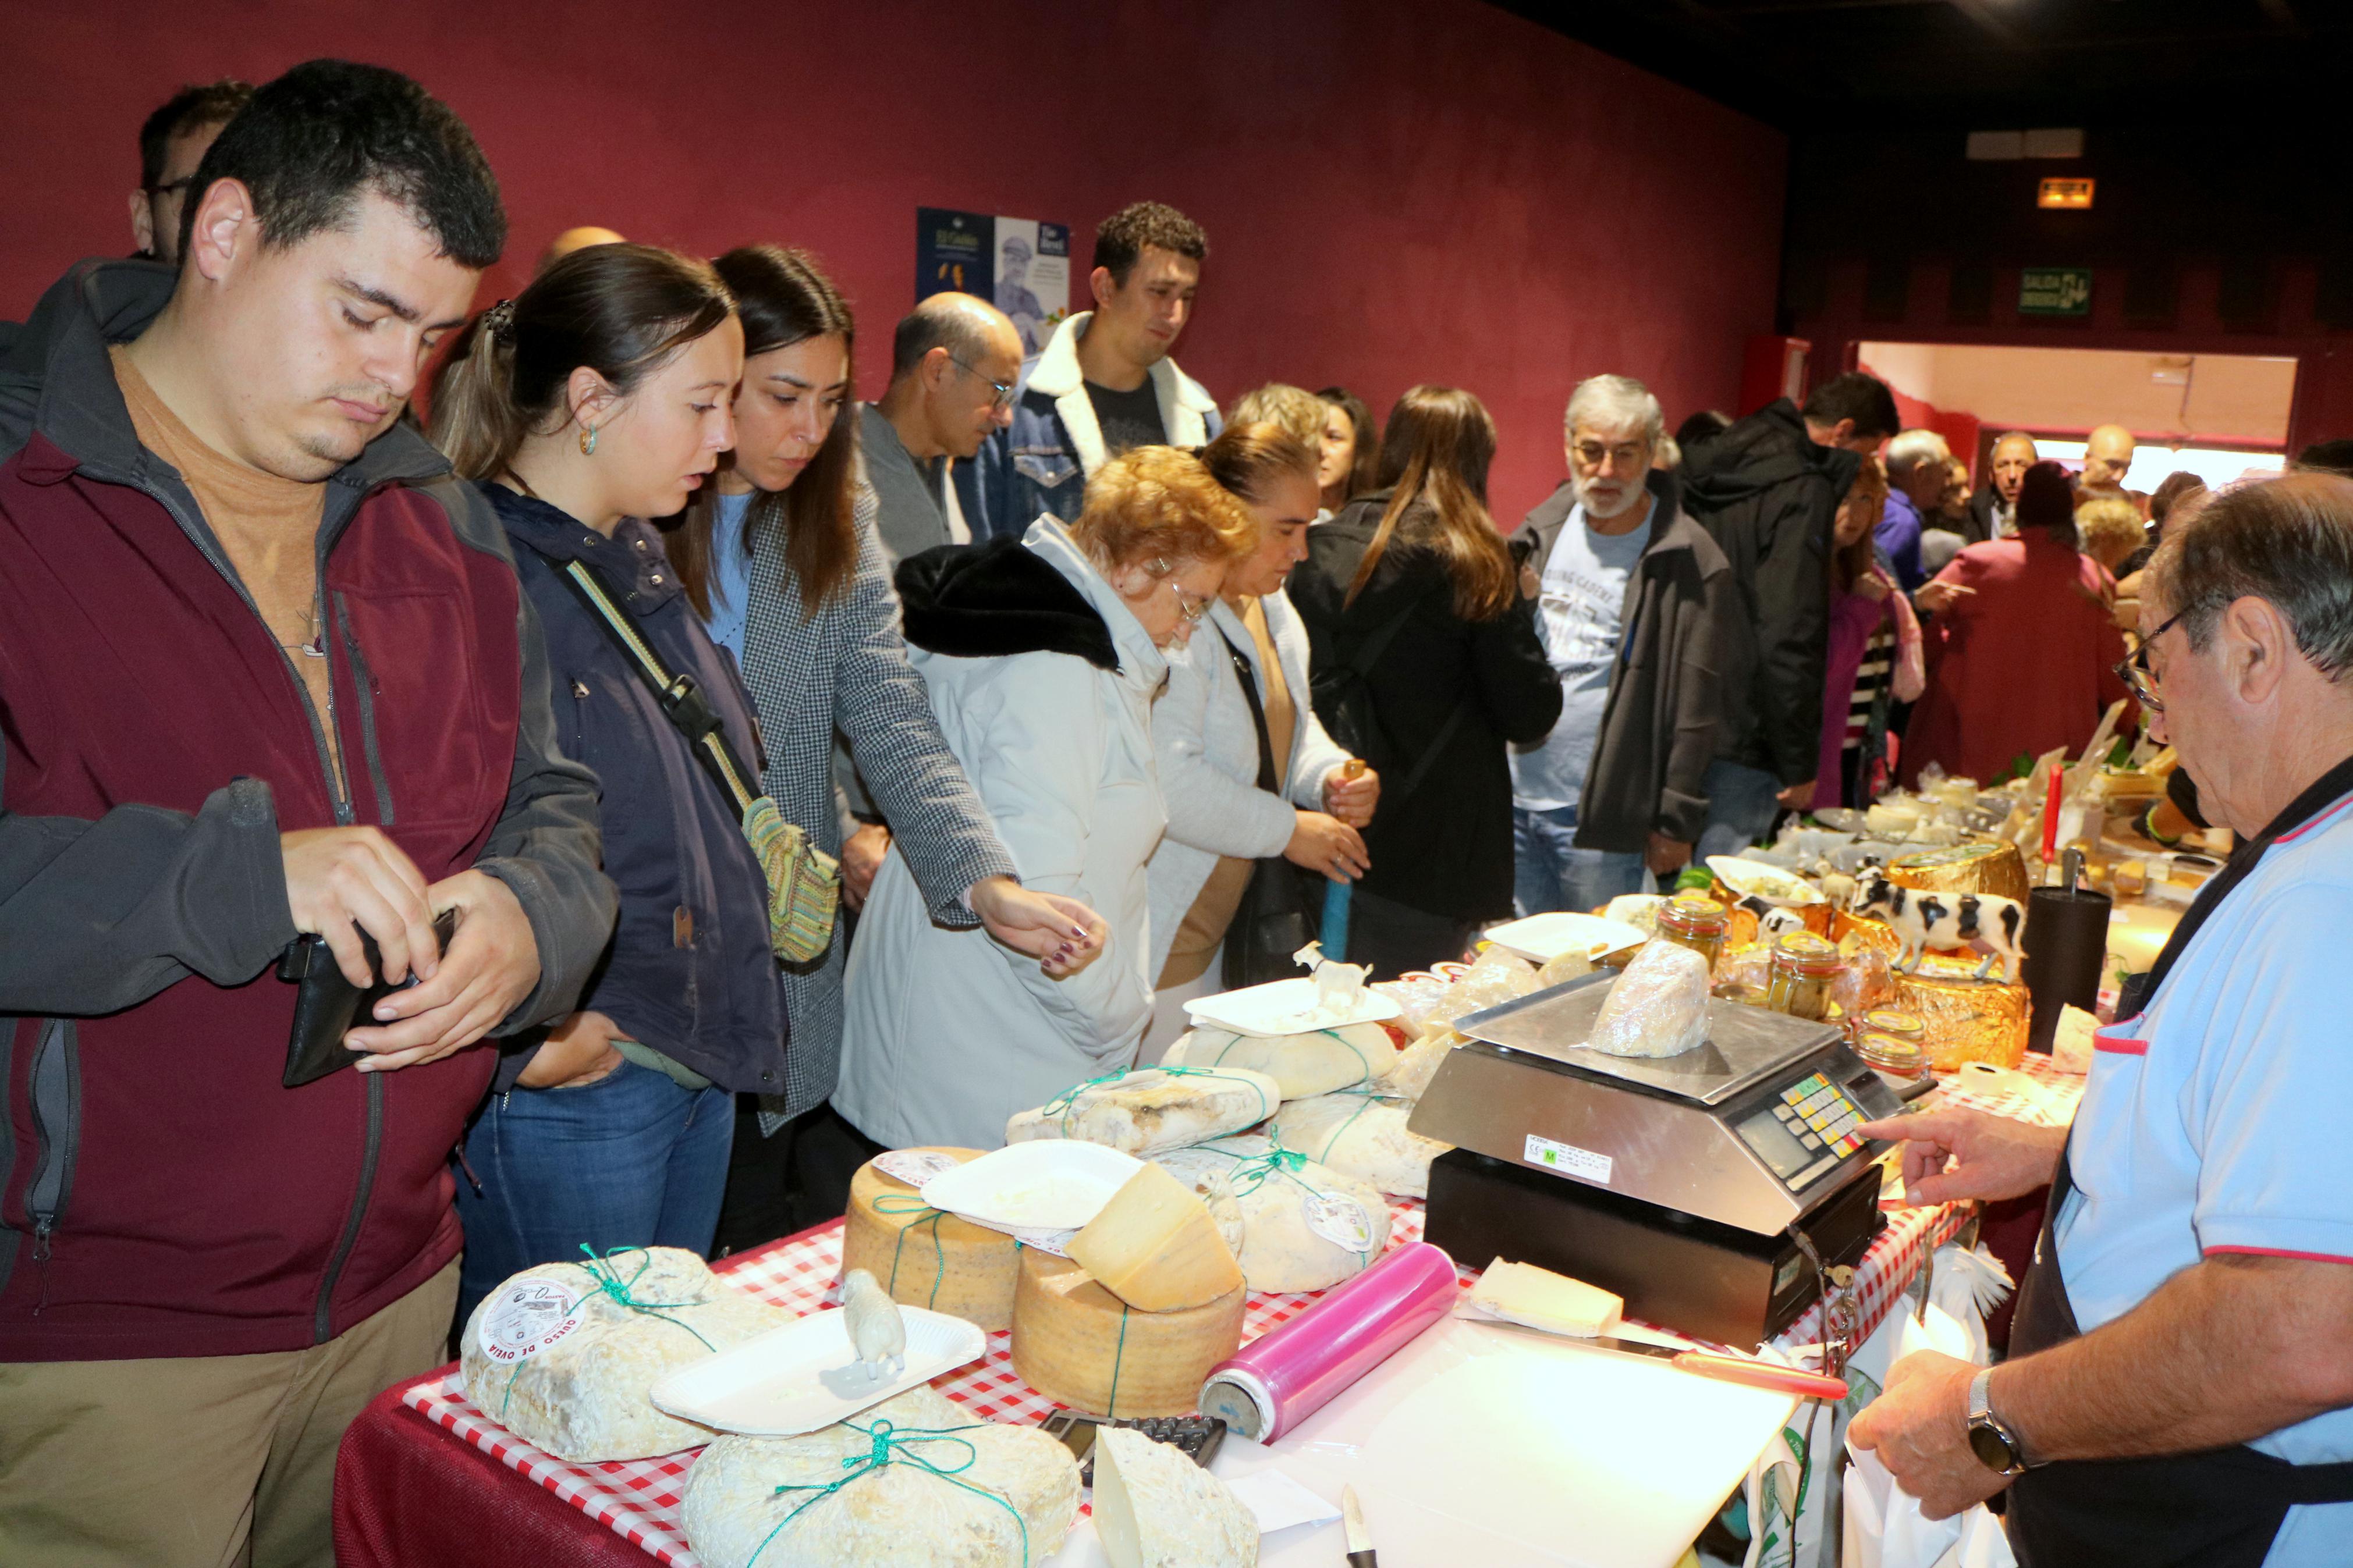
x: 1819, y: 1114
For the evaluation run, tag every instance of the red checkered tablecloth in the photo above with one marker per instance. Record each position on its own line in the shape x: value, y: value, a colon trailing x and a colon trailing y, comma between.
x: 639, y: 1500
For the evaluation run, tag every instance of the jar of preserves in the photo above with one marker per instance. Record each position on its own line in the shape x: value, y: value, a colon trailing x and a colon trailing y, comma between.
x: 1899, y: 1063
x: 1798, y: 979
x: 1696, y: 921
x: 1892, y: 1022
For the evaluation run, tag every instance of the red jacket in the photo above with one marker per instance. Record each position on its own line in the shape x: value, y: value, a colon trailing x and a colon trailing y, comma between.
x: 2025, y: 664
x: 161, y: 1194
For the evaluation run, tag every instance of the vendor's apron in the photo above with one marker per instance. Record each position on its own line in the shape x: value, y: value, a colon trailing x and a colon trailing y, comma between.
x: 2221, y: 1509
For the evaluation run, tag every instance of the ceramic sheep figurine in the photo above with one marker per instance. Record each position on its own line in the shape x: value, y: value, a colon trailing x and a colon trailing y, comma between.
x: 1989, y: 925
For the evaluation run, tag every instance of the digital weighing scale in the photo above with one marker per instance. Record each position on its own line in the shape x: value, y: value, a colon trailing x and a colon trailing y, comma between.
x: 1691, y: 1185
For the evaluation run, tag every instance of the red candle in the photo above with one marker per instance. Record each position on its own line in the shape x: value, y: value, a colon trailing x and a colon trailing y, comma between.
x: 2051, y: 816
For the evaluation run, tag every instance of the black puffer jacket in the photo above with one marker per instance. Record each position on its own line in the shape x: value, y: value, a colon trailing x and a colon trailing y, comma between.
x: 1767, y: 495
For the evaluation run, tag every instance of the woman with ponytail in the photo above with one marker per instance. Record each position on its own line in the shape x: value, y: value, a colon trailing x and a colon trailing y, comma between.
x: 1427, y: 663
x: 599, y: 397
x: 782, y: 558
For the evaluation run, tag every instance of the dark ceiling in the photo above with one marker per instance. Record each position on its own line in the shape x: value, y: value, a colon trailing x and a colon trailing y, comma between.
x: 1804, y: 65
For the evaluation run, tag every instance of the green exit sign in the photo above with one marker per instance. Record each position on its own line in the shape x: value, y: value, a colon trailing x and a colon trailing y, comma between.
x: 2054, y: 291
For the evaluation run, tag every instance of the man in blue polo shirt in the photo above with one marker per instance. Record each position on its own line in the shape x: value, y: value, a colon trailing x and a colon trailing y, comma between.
x: 2181, y: 1369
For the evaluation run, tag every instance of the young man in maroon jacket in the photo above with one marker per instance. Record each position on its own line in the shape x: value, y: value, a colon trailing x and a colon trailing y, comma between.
x: 264, y: 670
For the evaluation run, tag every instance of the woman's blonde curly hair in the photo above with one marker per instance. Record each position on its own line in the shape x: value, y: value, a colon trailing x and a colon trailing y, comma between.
x: 1159, y: 508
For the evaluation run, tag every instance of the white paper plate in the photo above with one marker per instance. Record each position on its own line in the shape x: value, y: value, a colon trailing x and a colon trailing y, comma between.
x: 1540, y: 939
x: 805, y: 1374
x: 1286, y: 1007
x: 1770, y: 883
x: 1054, y: 1183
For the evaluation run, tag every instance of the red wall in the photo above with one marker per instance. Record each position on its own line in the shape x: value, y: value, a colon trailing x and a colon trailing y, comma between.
x: 1394, y: 191
x: 1960, y: 431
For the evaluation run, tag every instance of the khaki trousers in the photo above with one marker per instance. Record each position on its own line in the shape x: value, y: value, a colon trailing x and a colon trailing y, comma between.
x: 201, y: 1461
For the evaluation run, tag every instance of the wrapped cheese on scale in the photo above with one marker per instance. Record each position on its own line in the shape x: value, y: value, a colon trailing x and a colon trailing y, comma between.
x: 564, y: 1354
x: 1303, y: 1226
x: 916, y: 1479
x: 1362, y: 1136
x: 1150, y: 1110
x: 1658, y: 1007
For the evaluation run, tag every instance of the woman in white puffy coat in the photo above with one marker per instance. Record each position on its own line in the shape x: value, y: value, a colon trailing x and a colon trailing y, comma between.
x: 1042, y: 656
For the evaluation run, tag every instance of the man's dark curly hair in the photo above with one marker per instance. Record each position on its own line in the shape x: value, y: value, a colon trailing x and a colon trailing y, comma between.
x: 1120, y: 241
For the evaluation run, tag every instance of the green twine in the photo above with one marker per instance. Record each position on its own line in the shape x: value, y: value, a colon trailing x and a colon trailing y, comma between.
x: 608, y: 1275
x: 939, y: 1252
x: 1257, y: 1170
x: 1118, y: 1356
x: 1354, y: 1049
x: 889, y: 1446
x: 1065, y: 1103
x: 1365, y: 1094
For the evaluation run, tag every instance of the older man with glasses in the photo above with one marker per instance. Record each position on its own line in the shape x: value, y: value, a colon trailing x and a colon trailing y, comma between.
x: 952, y: 363
x: 2179, y: 1384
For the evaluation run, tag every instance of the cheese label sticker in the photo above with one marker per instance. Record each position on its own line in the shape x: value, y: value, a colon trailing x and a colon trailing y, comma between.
x: 1568, y: 1160
x: 527, y: 1317
x: 1342, y: 1221
x: 1057, y: 1242
x: 915, y: 1166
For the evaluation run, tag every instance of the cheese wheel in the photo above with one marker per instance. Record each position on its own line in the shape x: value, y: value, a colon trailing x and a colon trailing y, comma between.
x: 1304, y: 1227
x: 1361, y: 1136
x: 924, y: 1258
x: 1975, y: 868
x: 1156, y: 1247
x: 1078, y: 1345
x: 1149, y: 1112
x: 1154, y: 1507
x: 1011, y: 1485
x: 1314, y: 1061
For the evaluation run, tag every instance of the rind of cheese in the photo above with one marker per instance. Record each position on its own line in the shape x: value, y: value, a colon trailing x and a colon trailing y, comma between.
x: 1280, y: 1249
x: 1524, y: 1293
x: 1154, y: 1507
x: 1658, y: 1007
x: 1147, y: 1111
x: 1079, y: 1345
x: 897, y: 1513
x: 1156, y: 1247
x: 584, y: 1398
x: 1419, y: 1062
x: 925, y: 1258
x: 1363, y: 1137
x: 1314, y: 1061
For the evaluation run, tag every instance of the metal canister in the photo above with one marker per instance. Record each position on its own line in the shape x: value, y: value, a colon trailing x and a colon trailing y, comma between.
x: 1696, y: 921
x: 1799, y: 975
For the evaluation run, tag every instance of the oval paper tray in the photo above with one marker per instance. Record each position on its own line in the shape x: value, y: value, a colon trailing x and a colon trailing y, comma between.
x: 1051, y: 1183
x: 805, y: 1374
x: 1286, y: 1008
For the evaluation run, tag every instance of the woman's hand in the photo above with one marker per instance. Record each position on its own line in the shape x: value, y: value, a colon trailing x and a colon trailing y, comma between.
x: 1328, y: 845
x: 577, y: 1052
x: 1352, y: 800
x: 1872, y: 586
x: 1062, y: 934
x: 1939, y: 595
x: 862, y: 855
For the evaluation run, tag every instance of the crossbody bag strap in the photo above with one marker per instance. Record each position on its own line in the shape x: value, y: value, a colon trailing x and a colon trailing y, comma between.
x: 680, y: 699
x: 1368, y: 652
x: 1249, y: 679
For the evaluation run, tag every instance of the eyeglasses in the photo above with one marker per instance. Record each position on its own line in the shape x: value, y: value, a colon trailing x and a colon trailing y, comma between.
x: 1192, y: 606
x: 2136, y: 674
x: 1003, y: 393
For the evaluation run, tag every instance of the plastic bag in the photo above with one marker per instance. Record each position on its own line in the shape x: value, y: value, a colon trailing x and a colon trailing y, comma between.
x: 1568, y: 966
x: 1417, y: 997
x: 1496, y: 976
x: 1658, y: 1007
x: 1864, y: 983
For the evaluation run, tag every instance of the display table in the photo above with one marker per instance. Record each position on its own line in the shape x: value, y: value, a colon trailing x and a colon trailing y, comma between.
x: 425, y: 1477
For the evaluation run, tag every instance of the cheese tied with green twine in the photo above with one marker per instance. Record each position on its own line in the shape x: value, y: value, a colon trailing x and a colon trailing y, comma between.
x: 1081, y: 1345
x: 923, y: 1257
x: 1304, y: 1227
x: 1146, y: 1111
x: 1362, y: 1133
x: 1308, y: 1062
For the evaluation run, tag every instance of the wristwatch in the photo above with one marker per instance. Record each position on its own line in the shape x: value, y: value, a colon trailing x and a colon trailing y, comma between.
x: 1990, y: 1439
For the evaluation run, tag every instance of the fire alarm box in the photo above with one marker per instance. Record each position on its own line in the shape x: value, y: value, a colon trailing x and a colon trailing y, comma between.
x: 1772, y: 367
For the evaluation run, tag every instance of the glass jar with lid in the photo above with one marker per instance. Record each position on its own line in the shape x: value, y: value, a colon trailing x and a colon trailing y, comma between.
x: 1893, y: 1022
x: 1696, y: 921
x: 1797, y: 978
x: 1900, y: 1063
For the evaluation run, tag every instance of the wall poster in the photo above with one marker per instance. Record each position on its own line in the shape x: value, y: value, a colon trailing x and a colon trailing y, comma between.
x: 1020, y: 264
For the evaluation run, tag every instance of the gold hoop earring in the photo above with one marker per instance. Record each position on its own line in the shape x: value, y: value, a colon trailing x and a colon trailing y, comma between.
x: 587, y: 441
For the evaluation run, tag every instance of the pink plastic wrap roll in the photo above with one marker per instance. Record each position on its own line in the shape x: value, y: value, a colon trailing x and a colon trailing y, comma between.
x: 1281, y: 1378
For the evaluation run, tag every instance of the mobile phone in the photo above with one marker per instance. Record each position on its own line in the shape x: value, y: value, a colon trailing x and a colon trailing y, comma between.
x: 328, y: 1006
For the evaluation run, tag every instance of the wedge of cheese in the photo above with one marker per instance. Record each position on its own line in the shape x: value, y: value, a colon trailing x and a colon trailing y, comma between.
x: 1148, y: 1111
x: 1154, y: 1507
x: 1540, y: 1298
x: 1314, y: 1061
x: 1079, y: 1345
x: 1155, y: 1247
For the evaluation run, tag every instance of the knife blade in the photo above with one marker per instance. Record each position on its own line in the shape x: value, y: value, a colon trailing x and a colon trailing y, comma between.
x: 1726, y: 1368
x: 1360, y: 1540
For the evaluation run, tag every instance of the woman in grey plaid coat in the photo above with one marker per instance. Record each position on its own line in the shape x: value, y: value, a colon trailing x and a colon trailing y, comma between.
x: 786, y: 567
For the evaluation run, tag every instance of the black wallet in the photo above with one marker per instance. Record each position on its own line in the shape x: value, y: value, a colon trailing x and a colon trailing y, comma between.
x: 328, y: 1006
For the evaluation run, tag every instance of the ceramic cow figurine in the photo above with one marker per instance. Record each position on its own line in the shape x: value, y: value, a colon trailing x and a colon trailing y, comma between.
x: 1989, y: 925
x: 1772, y: 920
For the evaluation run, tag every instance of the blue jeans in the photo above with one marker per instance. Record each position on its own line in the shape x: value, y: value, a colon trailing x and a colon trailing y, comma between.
x: 632, y: 1160
x: 1742, y: 803
x: 1550, y: 872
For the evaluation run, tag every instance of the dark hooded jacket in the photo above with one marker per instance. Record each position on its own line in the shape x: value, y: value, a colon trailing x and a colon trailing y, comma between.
x: 161, y: 1194
x: 1769, y: 496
